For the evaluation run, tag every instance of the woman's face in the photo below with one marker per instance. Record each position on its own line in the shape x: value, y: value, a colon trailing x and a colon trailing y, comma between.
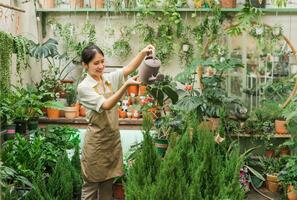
x: 96, y: 66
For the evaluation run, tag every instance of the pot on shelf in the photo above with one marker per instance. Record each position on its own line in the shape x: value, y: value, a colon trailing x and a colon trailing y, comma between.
x: 53, y: 113
x: 76, y: 4
x: 47, y: 3
x: 97, y: 4
x: 82, y: 111
x: 70, y: 112
x: 133, y: 89
x: 280, y: 127
x: 228, y: 3
x: 291, y: 193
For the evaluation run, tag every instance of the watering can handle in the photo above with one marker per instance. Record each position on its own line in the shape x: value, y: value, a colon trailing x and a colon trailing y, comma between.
x: 152, y: 54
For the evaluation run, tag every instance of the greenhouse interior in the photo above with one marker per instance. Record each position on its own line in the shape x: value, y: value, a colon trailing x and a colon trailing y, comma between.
x: 148, y: 99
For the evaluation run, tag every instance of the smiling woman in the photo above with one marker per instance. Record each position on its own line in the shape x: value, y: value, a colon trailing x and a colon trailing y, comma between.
x: 102, y: 157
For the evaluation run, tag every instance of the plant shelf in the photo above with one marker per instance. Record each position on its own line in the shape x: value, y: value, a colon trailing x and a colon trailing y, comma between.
x: 273, y: 136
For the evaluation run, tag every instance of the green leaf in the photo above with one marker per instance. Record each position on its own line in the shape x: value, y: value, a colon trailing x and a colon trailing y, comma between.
x: 170, y: 93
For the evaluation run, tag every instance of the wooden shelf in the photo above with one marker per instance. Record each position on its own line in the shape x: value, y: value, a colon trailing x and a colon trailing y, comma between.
x: 81, y: 122
x: 273, y: 136
x: 63, y: 10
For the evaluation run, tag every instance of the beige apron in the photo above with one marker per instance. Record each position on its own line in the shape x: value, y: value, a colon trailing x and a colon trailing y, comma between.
x: 102, y: 156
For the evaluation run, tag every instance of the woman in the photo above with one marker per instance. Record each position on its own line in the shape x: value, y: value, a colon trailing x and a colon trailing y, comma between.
x: 102, y: 158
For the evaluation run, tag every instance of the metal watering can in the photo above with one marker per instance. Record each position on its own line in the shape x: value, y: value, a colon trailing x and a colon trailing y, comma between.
x: 149, y: 69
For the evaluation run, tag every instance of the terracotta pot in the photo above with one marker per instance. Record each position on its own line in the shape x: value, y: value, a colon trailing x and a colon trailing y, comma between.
x: 280, y: 127
x: 70, y: 112
x: 135, y: 114
x: 214, y: 123
x: 77, y: 106
x: 47, y: 3
x: 82, y: 111
x: 132, y: 89
x: 142, y: 90
x: 284, y: 151
x: 198, y: 4
x: 118, y: 191
x: 76, y: 3
x: 272, y: 183
x: 97, y: 4
x: 123, y: 114
x: 129, y: 115
x: 53, y: 113
x: 228, y: 3
x: 291, y: 193
x: 269, y: 153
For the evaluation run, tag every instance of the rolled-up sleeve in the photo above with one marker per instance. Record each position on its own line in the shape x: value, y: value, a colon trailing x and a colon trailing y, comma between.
x: 90, y: 99
x: 117, y: 79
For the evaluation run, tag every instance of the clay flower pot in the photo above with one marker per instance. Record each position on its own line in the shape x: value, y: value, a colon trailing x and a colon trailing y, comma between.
x: 280, y: 127
x: 123, y: 114
x: 82, y: 111
x: 47, y: 3
x: 284, y: 151
x: 53, y: 113
x: 142, y: 90
x: 70, y: 112
x: 77, y: 107
x: 269, y: 153
x: 129, y: 115
x: 228, y: 3
x: 132, y: 89
x: 291, y: 193
x: 76, y: 3
x: 198, y: 4
x: 272, y: 183
x: 97, y: 4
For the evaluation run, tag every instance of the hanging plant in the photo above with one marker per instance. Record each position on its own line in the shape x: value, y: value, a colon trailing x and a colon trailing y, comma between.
x: 6, y: 47
x: 121, y: 48
x: 21, y: 49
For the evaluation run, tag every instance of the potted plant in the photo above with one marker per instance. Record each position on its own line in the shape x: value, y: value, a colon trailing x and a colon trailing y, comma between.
x: 70, y: 110
x: 163, y: 131
x: 228, y: 3
x: 47, y: 3
x: 53, y: 109
x: 76, y: 4
x: 133, y: 89
x: 7, y: 112
x: 288, y: 177
x: 271, y: 167
x: 257, y: 3
x: 198, y: 3
x: 97, y: 4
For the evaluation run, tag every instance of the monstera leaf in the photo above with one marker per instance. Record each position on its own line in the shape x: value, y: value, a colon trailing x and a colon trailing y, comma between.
x: 45, y: 50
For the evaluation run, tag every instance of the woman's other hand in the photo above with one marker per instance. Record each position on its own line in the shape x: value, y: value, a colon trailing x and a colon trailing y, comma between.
x: 133, y: 81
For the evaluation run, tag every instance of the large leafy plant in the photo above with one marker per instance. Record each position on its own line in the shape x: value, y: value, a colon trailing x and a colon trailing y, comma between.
x: 288, y: 175
x: 162, y: 90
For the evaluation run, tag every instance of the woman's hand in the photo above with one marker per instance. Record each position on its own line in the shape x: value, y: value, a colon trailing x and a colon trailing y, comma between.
x: 148, y: 50
x: 132, y: 81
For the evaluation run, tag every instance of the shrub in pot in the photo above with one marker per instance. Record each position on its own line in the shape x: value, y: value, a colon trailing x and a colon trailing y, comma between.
x: 53, y: 109
x: 271, y: 167
x: 71, y: 110
x: 257, y: 3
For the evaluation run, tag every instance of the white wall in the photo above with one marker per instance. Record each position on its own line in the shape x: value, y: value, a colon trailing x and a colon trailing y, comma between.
x: 26, y: 24
x: 19, y: 23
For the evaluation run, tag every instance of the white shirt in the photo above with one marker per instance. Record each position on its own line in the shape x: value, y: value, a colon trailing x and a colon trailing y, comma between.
x: 88, y: 90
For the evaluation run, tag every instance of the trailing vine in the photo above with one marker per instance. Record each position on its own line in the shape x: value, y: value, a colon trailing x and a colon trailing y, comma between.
x: 21, y: 49
x: 6, y: 50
